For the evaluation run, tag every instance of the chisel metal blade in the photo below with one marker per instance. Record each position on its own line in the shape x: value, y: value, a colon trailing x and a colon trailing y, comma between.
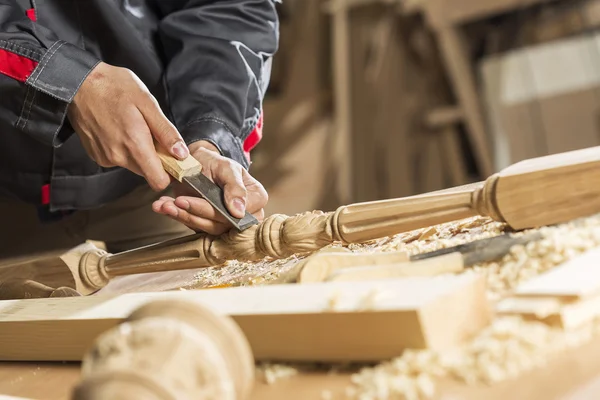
x: 483, y: 250
x: 215, y: 196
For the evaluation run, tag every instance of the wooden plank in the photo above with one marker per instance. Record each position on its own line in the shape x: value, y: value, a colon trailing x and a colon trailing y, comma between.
x: 577, y: 278
x: 321, y: 321
x: 567, y: 296
x: 442, y: 13
x: 553, y: 311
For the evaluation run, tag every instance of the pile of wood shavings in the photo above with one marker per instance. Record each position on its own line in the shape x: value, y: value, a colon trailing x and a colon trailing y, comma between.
x: 509, y: 347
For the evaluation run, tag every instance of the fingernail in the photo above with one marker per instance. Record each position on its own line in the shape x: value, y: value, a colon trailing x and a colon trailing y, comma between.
x: 239, y: 204
x: 171, y: 210
x: 180, y: 150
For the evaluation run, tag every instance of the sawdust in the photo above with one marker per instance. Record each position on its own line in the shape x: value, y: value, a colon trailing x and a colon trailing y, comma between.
x: 270, y: 373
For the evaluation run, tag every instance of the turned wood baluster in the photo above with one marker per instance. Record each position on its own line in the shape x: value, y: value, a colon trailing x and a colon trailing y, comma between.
x: 280, y: 236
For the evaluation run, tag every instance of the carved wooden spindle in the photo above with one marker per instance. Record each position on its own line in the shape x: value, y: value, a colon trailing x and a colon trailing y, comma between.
x: 169, y: 350
x: 280, y: 236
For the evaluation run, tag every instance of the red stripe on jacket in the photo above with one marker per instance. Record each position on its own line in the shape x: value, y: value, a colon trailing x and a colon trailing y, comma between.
x: 254, y: 137
x: 31, y: 14
x: 14, y: 65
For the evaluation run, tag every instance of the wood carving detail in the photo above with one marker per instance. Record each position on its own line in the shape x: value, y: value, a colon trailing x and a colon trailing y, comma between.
x: 168, y: 350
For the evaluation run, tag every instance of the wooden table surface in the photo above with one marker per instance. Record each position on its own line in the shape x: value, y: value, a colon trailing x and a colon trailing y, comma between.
x: 572, y: 375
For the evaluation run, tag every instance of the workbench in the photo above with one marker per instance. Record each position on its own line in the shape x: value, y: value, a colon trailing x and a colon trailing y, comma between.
x: 572, y: 376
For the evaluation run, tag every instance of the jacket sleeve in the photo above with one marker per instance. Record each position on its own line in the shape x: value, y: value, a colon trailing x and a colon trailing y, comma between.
x: 39, y: 76
x: 219, y: 56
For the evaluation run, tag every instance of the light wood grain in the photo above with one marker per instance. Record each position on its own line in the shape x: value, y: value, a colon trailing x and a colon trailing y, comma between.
x: 550, y: 190
x: 319, y: 266
x: 178, y: 168
x: 575, y: 279
x: 311, y: 322
x: 446, y: 264
x: 567, y: 296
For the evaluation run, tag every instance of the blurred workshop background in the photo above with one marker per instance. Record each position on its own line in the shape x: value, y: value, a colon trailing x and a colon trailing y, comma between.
x: 375, y: 99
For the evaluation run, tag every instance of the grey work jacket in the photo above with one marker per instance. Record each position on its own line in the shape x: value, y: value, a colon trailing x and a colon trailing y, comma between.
x: 206, y: 62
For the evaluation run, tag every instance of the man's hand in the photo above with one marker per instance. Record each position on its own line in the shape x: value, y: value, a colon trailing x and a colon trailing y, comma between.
x: 242, y: 193
x: 117, y: 118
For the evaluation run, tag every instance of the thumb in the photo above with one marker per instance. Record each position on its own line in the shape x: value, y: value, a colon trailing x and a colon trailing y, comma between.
x: 229, y: 177
x: 163, y: 131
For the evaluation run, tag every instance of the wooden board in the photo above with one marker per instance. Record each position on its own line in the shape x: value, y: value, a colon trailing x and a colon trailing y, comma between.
x: 553, y: 311
x: 320, y: 321
x: 567, y: 296
x: 577, y: 278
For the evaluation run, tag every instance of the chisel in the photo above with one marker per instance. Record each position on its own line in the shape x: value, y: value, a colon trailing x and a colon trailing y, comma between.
x: 449, y: 260
x: 189, y: 171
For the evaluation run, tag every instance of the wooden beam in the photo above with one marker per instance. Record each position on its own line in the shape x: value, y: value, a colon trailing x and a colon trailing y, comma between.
x: 312, y: 322
x: 342, y: 101
x: 457, y: 61
x: 442, y: 13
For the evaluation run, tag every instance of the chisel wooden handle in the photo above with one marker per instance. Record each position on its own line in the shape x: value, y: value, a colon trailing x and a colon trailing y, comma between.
x: 178, y: 168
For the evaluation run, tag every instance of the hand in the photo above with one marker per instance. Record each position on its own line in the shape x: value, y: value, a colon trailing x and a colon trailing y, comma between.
x: 242, y: 193
x: 117, y: 119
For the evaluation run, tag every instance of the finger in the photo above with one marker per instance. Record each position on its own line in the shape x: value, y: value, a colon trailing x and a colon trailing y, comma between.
x: 162, y: 129
x: 199, y: 207
x: 157, y: 204
x: 195, y: 222
x: 141, y: 147
x: 257, y: 196
x: 228, y: 175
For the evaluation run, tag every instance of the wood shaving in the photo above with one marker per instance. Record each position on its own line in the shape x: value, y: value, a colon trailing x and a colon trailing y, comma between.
x: 270, y: 373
